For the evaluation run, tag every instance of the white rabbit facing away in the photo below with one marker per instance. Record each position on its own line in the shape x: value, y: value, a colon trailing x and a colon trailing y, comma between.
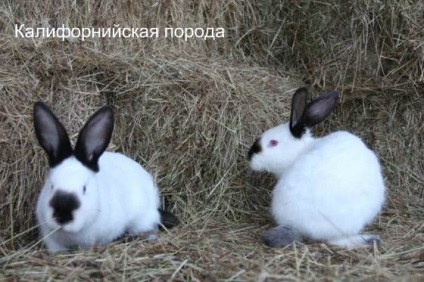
x: 92, y: 197
x: 328, y: 188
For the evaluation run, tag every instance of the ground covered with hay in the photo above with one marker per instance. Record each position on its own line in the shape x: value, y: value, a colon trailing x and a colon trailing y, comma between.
x: 189, y: 110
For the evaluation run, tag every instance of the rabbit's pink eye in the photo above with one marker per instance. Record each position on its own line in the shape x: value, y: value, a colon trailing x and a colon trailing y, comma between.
x: 273, y: 143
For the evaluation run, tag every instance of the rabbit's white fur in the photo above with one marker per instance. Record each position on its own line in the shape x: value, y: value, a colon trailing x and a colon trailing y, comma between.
x: 289, y: 147
x: 121, y: 197
x: 91, y: 196
x: 328, y: 188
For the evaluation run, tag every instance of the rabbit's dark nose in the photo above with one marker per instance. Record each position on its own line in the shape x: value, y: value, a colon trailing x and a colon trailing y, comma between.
x: 256, y: 148
x: 63, y: 205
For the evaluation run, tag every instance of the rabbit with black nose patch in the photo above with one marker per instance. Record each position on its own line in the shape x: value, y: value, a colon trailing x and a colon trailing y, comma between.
x: 64, y: 204
x: 328, y: 188
x: 91, y: 196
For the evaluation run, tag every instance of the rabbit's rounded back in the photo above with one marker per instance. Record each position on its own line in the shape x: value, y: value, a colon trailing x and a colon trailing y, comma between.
x: 333, y: 190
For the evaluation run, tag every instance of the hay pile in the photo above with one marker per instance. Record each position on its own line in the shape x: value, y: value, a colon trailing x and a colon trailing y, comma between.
x: 188, y: 111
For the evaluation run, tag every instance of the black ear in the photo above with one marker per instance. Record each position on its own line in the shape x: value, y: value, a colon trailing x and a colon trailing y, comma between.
x: 319, y: 108
x: 94, y: 138
x: 297, y: 128
x: 51, y: 134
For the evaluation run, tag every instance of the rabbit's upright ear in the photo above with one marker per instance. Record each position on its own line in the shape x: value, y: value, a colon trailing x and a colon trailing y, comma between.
x: 51, y: 134
x: 297, y: 128
x: 319, y: 108
x: 94, y: 138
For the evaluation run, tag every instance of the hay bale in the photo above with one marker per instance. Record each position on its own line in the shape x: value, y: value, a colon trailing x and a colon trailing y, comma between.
x: 348, y: 44
x: 190, y: 121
